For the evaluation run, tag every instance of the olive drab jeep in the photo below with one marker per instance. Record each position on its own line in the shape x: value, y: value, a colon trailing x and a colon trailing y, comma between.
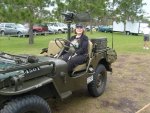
x: 26, y: 81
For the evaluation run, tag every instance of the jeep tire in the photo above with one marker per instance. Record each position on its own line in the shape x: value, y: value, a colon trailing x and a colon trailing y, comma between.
x: 97, y: 86
x: 27, y: 104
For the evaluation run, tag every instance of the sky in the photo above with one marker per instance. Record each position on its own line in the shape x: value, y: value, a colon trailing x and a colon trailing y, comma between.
x: 146, y: 7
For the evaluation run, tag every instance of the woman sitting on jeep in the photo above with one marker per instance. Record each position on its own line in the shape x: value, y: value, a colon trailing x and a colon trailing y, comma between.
x: 80, y: 42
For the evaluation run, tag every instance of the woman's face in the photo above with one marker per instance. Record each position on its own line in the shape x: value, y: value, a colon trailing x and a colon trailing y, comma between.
x: 79, y: 30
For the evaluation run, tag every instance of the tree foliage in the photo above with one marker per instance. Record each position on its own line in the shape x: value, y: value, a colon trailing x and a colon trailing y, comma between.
x: 29, y: 11
x: 126, y: 10
x: 33, y: 11
x: 96, y: 8
x: 129, y: 10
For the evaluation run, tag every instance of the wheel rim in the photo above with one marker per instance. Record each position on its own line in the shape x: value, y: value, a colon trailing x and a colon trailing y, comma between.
x: 19, y: 34
x: 59, y: 31
x: 2, y: 33
x: 35, y: 33
x: 32, y: 112
x: 100, y: 80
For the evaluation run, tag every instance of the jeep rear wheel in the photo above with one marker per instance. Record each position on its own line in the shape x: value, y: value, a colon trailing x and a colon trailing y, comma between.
x: 97, y: 86
x: 27, y: 104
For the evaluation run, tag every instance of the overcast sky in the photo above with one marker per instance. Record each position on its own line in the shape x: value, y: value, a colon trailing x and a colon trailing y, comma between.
x: 146, y: 7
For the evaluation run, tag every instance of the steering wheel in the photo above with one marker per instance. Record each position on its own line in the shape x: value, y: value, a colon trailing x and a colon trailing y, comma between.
x: 63, y: 43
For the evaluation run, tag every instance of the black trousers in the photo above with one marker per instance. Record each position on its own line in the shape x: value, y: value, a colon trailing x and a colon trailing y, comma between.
x: 74, y: 61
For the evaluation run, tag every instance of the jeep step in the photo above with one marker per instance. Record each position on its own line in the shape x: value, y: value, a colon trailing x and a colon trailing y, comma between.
x: 65, y: 94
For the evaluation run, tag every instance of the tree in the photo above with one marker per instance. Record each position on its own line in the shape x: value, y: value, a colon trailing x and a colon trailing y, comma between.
x: 30, y: 11
x: 96, y: 8
x: 128, y: 10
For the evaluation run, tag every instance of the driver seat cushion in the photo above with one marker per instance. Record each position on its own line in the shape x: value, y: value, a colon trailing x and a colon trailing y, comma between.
x: 83, y: 66
x: 53, y: 49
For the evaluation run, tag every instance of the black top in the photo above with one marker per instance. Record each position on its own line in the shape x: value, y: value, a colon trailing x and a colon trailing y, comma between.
x: 83, y: 44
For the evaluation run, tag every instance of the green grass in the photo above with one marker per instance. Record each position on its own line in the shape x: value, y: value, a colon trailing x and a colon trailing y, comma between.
x: 123, y: 44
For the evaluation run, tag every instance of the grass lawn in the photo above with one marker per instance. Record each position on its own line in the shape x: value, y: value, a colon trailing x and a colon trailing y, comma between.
x: 127, y: 44
x: 127, y: 89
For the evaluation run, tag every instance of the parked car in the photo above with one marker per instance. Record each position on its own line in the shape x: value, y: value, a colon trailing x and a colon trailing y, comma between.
x: 59, y: 27
x: 105, y: 28
x: 93, y: 28
x: 40, y: 29
x: 22, y: 30
x: 13, y: 29
x: 73, y: 26
x: 52, y: 30
x: 87, y: 28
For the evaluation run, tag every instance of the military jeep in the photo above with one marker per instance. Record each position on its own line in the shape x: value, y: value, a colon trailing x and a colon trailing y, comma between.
x: 26, y: 81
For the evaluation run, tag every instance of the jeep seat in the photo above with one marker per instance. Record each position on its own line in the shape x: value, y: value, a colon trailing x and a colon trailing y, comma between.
x: 83, y: 66
x: 53, y: 49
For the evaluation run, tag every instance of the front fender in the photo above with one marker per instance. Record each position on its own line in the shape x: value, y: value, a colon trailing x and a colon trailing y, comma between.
x: 26, y: 87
